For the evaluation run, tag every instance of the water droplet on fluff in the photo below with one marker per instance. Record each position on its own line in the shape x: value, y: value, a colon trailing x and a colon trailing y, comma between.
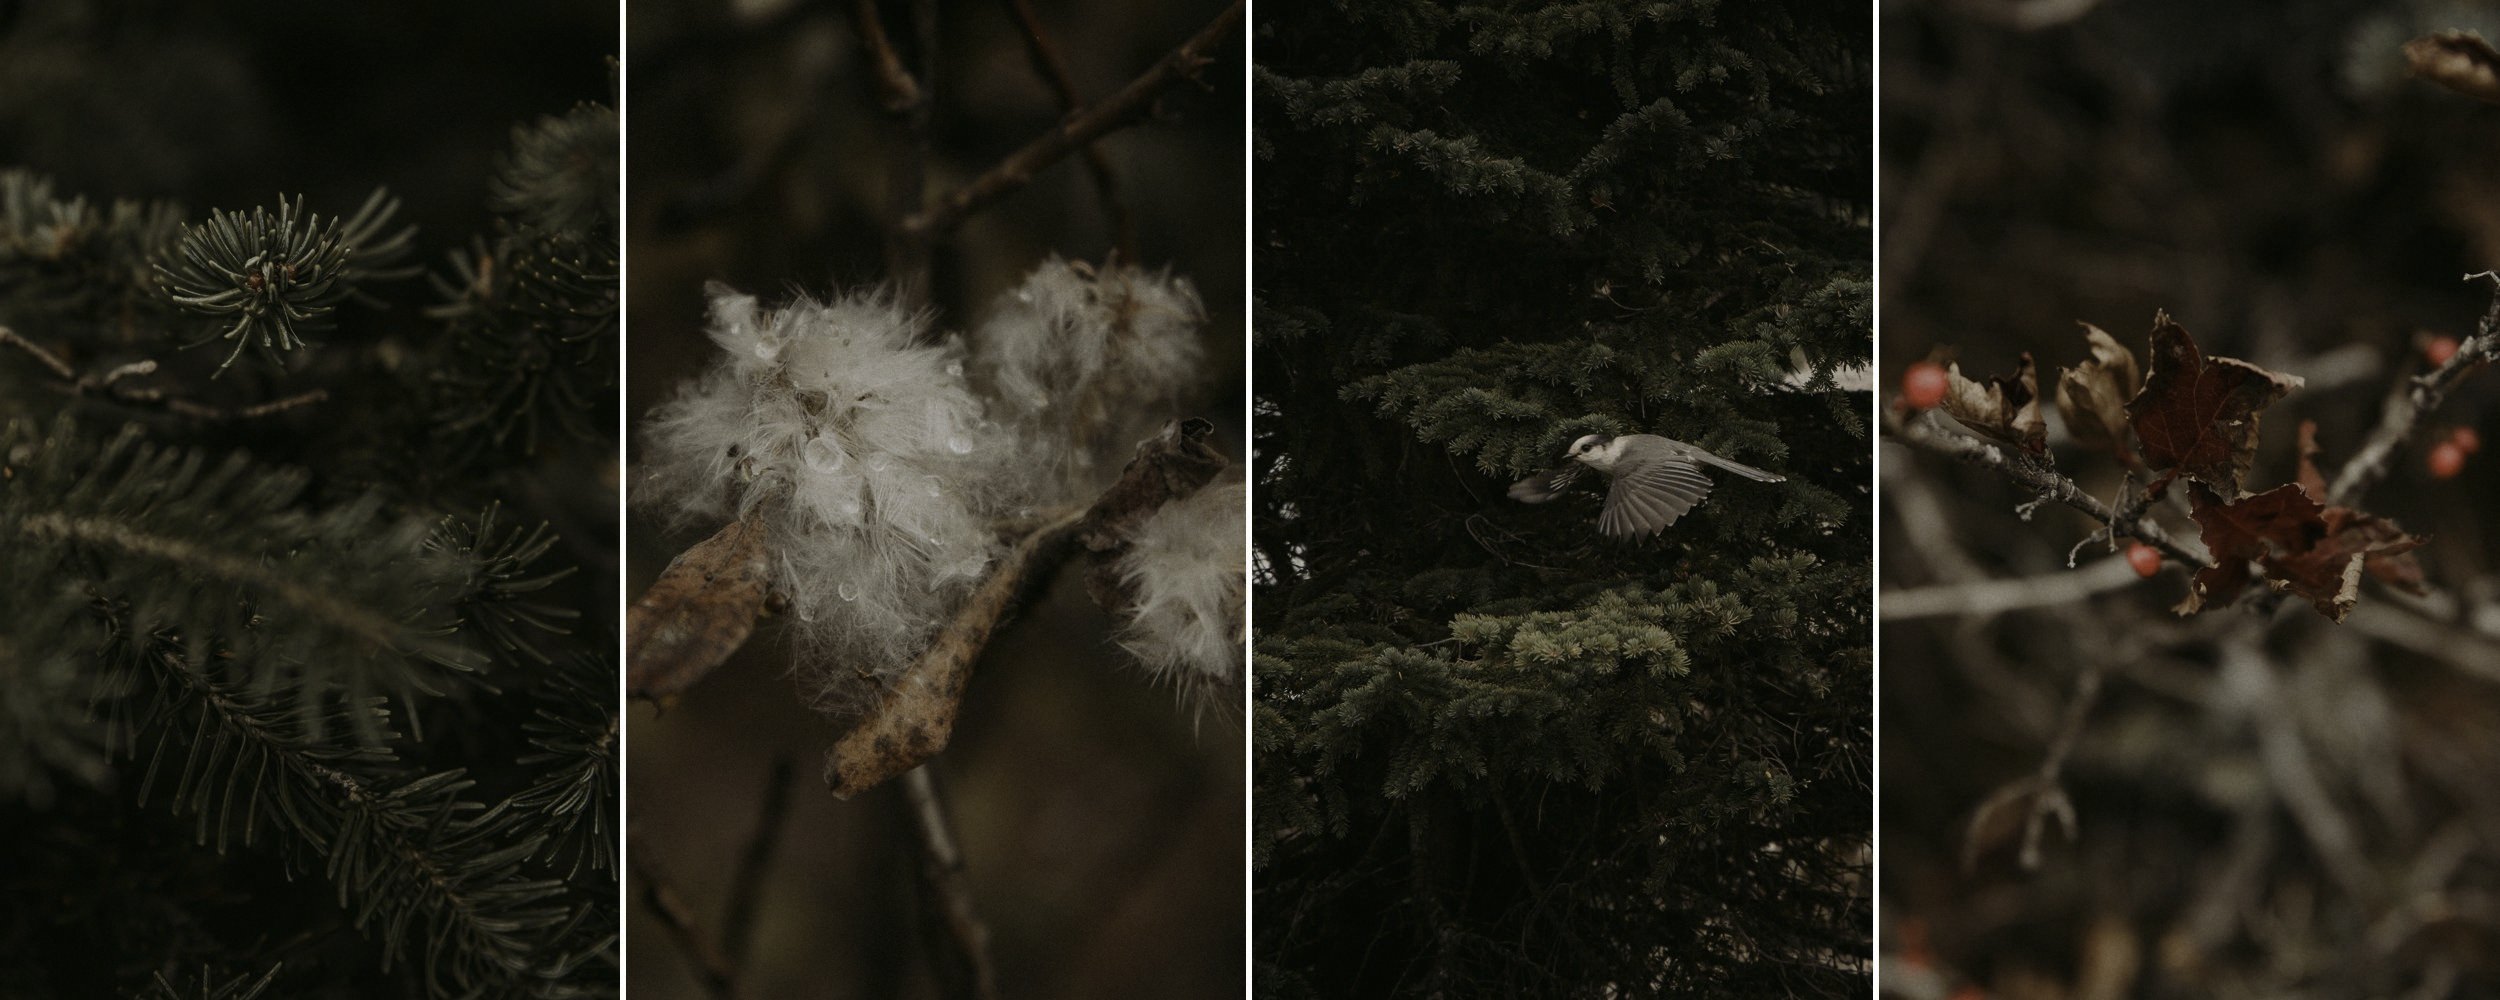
x: 848, y: 592
x: 822, y: 455
x: 767, y: 347
x: 955, y: 369
x: 959, y: 444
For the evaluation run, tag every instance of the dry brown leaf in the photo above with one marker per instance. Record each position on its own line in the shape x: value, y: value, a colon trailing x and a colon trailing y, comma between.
x: 2005, y: 407
x: 700, y: 610
x: 2458, y: 60
x: 2316, y: 552
x: 917, y: 716
x: 2092, y: 396
x: 2197, y: 415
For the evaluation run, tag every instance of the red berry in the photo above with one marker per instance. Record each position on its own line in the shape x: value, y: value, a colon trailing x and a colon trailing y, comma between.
x: 2447, y: 459
x: 1923, y: 385
x: 2439, y: 349
x: 2466, y: 439
x: 2145, y: 558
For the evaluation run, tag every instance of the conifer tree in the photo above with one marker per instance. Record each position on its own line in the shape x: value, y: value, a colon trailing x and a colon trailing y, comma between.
x: 304, y: 557
x: 1498, y: 754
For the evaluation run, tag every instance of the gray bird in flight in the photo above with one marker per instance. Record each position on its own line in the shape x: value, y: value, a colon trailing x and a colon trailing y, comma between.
x: 1655, y: 480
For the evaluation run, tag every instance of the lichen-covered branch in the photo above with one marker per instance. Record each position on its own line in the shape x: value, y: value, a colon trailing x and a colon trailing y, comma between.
x: 2042, y: 480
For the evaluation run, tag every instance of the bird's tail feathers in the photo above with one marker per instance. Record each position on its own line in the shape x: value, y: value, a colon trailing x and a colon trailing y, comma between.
x: 1742, y: 469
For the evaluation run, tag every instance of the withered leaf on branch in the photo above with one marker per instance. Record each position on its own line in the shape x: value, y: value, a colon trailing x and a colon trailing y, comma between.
x: 2316, y: 552
x: 2005, y: 407
x: 916, y: 718
x: 2458, y: 60
x: 2092, y: 396
x: 2197, y: 415
x: 699, y: 611
x: 1169, y: 466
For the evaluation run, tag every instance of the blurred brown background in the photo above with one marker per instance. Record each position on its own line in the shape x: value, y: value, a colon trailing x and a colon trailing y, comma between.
x: 1101, y: 821
x: 2298, y: 808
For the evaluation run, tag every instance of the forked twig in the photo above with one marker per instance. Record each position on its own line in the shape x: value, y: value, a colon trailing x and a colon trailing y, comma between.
x: 1124, y: 107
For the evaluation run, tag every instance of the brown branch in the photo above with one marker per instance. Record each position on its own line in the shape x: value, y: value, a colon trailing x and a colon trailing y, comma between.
x: 1053, y: 69
x: 1124, y: 107
x: 711, y: 968
x: 746, y: 881
x: 111, y: 387
x: 942, y: 879
x: 916, y: 714
x: 2041, y: 795
x: 911, y: 98
x: 2408, y: 410
x: 900, y: 91
x: 2038, y: 477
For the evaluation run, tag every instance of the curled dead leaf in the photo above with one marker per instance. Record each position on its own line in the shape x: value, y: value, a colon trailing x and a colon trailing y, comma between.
x: 2005, y: 407
x: 700, y: 610
x: 2458, y: 60
x: 2092, y: 396
x: 915, y: 718
x: 2196, y: 415
x: 2317, y: 552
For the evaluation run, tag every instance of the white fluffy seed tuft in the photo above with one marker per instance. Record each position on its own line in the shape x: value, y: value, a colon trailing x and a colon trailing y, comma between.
x: 866, y: 451
x: 1183, y: 572
x: 1082, y: 362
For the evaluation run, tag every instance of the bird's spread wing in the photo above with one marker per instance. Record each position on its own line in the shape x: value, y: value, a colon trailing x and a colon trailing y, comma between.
x: 1649, y: 494
x: 1546, y: 485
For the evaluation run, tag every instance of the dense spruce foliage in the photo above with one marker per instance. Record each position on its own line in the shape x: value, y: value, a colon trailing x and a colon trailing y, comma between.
x: 306, y: 572
x: 1498, y: 755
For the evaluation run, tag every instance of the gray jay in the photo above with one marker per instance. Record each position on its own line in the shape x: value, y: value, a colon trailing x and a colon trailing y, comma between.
x: 1655, y: 480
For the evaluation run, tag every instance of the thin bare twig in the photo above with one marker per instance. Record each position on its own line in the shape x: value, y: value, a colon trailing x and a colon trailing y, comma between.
x: 942, y: 880
x: 746, y: 882
x: 1988, y: 598
x: 897, y: 91
x: 1122, y: 108
x: 911, y: 98
x: 111, y: 387
x: 2041, y: 794
x: 2408, y: 410
x: 1053, y: 69
x: 711, y: 968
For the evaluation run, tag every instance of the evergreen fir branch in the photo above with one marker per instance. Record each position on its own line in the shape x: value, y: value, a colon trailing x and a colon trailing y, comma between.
x: 497, y: 597
x: 560, y: 175
x: 46, y: 739
x: 440, y: 882
x: 341, y: 603
x: 65, y: 258
x: 208, y: 986
x: 270, y: 278
x: 532, y: 322
x: 575, y: 728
